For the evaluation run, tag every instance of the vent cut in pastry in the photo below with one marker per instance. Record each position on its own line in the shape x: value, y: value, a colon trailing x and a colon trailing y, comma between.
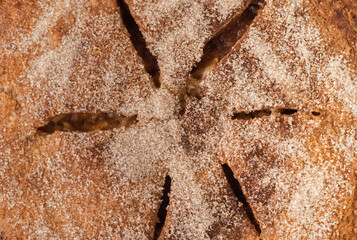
x: 177, y: 119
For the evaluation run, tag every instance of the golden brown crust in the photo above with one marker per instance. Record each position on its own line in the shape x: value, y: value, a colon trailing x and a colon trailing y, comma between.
x: 202, y: 205
x: 286, y: 61
x: 63, y: 57
x: 297, y: 176
x: 94, y: 185
x: 282, y: 65
x: 340, y: 18
x: 176, y: 32
x: 279, y: 111
x: 69, y: 185
x: 67, y: 57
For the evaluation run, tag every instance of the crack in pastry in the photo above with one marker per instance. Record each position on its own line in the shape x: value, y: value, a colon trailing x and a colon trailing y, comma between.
x: 267, y: 112
x: 238, y: 192
x: 251, y: 115
x: 139, y: 43
x: 217, y: 48
x: 161, y: 214
x: 314, y: 113
x: 221, y: 44
x: 87, y: 122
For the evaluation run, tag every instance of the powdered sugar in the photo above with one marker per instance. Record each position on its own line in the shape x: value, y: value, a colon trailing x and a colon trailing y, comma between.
x: 77, y: 57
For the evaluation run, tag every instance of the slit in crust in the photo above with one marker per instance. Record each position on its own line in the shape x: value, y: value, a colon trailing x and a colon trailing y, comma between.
x: 87, y: 122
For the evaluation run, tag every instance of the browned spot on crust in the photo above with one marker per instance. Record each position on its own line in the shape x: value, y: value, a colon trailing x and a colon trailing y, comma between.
x: 60, y: 29
x: 340, y: 16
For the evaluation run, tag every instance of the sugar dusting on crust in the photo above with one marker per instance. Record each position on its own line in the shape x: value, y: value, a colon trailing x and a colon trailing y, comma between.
x: 177, y: 31
x: 344, y: 80
x: 83, y: 185
x: 285, y: 59
x: 223, y: 216
x: 108, y: 184
x: 78, y: 58
x: 305, y: 173
x: 201, y: 203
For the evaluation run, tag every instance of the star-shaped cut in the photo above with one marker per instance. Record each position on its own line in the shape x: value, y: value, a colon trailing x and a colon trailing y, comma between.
x: 177, y: 119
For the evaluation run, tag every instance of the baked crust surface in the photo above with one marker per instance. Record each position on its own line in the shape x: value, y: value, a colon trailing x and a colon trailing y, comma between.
x: 278, y: 111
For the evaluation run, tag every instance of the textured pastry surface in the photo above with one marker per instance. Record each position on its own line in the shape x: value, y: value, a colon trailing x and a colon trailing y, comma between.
x: 62, y: 56
x: 279, y: 111
x: 69, y: 57
x: 295, y: 166
x: 178, y: 31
